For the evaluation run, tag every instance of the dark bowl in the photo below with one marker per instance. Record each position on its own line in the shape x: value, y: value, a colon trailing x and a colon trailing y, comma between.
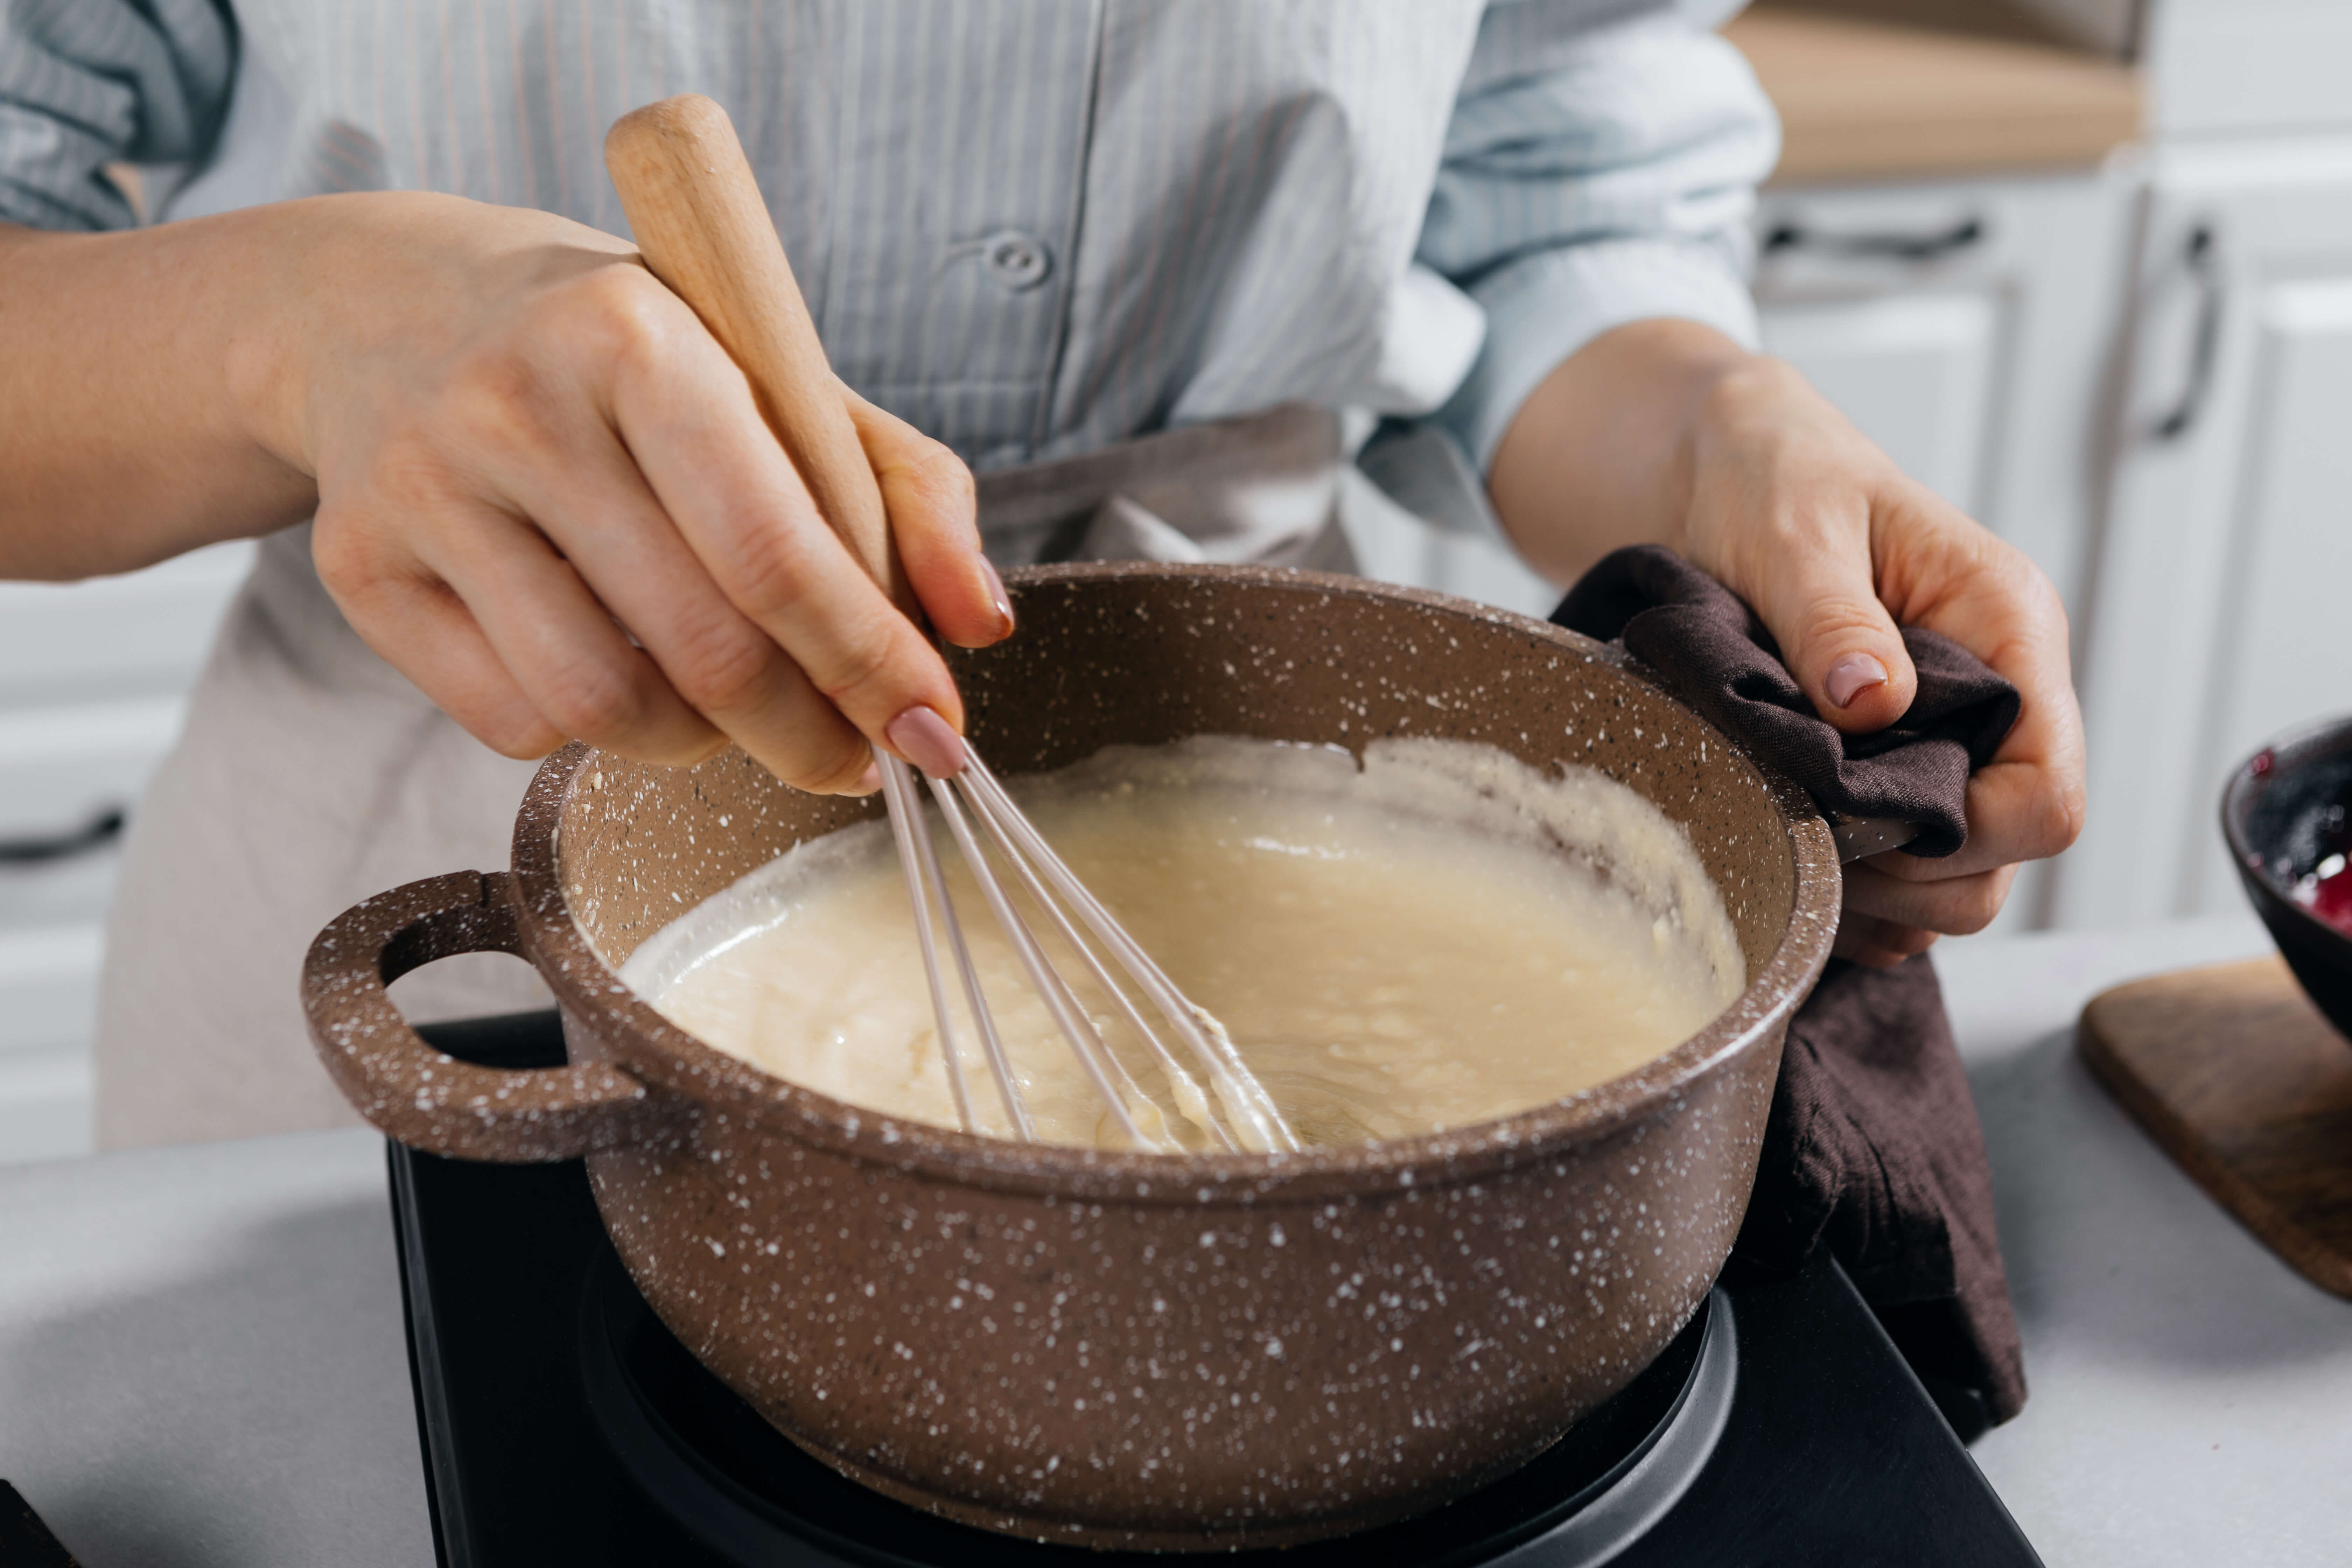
x: 2288, y: 808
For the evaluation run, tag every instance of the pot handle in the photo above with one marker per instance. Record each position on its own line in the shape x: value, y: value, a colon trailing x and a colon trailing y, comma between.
x: 427, y: 1098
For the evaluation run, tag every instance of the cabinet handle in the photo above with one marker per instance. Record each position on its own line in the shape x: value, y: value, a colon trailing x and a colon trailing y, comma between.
x: 2199, y: 261
x: 88, y: 839
x: 1931, y: 246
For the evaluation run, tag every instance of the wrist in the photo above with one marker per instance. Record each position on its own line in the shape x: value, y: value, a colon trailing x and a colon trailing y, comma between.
x: 1728, y: 403
x: 1606, y: 451
x: 331, y: 281
x: 362, y: 298
x: 301, y: 266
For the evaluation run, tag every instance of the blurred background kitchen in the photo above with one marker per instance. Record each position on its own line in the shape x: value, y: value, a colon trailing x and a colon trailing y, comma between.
x: 2082, y: 265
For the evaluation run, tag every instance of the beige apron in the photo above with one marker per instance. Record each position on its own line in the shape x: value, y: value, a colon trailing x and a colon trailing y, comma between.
x: 312, y: 774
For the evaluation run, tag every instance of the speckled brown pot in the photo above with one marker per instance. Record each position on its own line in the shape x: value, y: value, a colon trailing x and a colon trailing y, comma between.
x: 1128, y: 1350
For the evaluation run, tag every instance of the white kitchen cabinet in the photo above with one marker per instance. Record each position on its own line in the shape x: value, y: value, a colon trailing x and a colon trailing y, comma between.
x: 2221, y: 68
x: 139, y: 634
x: 46, y: 1104
x: 1914, y: 370
x: 93, y: 679
x: 1964, y: 326
x: 2231, y: 67
x: 2219, y: 612
x: 49, y: 998
x: 63, y: 767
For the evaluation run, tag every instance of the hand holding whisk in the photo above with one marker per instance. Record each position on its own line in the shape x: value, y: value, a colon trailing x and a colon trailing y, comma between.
x: 704, y: 231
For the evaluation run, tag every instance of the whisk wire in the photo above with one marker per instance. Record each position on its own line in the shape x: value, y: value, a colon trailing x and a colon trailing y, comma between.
x: 907, y: 819
x: 1075, y: 1027
x: 921, y: 870
x: 1246, y: 1100
x: 1251, y: 1118
x: 1188, y: 1098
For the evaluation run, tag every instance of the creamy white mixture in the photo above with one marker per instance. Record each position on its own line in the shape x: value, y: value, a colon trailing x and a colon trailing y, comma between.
x: 1438, y: 938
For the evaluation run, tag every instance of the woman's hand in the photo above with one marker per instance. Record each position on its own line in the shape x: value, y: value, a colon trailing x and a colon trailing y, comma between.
x: 547, y: 495
x: 1674, y: 434
x: 542, y: 491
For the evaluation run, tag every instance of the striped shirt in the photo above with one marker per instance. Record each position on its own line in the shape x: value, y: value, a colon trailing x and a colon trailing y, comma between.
x: 1031, y: 227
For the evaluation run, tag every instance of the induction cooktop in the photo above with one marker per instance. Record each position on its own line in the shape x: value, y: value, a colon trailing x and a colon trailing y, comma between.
x: 560, y: 1422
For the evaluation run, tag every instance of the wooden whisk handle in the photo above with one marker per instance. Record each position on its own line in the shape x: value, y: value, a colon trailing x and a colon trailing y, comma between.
x: 704, y: 230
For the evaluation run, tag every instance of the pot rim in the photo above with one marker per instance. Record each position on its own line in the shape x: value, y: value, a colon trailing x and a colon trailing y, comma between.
x: 657, y: 1051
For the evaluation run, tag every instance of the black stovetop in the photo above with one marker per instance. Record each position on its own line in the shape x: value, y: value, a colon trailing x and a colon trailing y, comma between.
x: 561, y: 1422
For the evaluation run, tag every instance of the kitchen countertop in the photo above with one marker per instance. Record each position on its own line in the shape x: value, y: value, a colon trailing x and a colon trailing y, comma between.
x: 1900, y: 89
x: 201, y: 1361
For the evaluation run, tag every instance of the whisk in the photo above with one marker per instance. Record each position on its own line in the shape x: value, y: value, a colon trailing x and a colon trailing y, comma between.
x: 704, y: 230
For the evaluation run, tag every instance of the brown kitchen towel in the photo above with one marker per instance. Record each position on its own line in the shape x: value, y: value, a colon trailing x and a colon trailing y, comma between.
x: 1873, y: 1149
x: 1717, y: 655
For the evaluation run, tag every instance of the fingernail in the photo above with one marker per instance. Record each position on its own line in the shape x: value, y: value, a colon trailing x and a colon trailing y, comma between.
x: 996, y: 596
x: 925, y: 738
x: 1852, y: 676
x: 869, y: 781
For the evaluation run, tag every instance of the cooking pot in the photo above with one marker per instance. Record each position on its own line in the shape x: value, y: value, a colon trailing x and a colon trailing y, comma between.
x: 1115, y: 1349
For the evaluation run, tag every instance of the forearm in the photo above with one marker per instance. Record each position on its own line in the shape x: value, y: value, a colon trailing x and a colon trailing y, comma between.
x: 128, y: 392
x: 1601, y: 455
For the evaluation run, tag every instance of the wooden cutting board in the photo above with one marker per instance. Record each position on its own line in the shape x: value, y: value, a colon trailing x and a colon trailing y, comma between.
x: 2238, y: 1077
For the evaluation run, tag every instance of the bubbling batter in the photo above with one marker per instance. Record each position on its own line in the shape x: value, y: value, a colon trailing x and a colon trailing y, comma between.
x: 1438, y: 937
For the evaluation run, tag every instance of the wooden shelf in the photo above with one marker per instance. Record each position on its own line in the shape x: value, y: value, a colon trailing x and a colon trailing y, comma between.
x: 1887, y: 96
